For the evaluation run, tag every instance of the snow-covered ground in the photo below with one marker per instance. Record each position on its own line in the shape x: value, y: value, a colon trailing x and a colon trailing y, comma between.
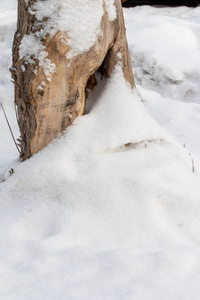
x: 111, y: 209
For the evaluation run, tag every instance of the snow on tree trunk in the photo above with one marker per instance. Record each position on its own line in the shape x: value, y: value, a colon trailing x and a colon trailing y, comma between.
x: 58, y: 46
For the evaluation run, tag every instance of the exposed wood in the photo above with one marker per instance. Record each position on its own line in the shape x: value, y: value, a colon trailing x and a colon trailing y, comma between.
x: 46, y: 107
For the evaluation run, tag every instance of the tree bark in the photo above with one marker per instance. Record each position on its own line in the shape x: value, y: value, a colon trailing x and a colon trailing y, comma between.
x: 46, y: 105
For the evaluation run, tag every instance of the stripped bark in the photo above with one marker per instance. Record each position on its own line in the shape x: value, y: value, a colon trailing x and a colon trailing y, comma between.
x: 45, y: 111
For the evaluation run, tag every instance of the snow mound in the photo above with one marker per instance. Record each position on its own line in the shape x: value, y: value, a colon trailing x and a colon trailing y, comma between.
x: 105, y: 198
x: 180, y: 119
x: 117, y: 118
x: 165, y: 50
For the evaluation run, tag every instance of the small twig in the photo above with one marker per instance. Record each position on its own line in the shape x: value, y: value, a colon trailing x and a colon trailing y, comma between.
x: 11, y: 171
x: 9, y: 127
x: 193, y: 165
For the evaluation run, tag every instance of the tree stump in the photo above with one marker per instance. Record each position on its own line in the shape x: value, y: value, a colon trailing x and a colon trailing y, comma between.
x: 50, y: 83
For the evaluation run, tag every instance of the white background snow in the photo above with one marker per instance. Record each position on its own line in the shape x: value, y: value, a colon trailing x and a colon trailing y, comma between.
x: 111, y: 209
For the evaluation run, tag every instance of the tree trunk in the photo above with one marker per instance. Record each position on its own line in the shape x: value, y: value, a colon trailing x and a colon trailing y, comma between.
x: 50, y: 87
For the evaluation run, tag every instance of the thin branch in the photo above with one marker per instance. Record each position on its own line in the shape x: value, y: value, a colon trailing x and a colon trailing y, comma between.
x: 9, y: 127
x: 193, y: 165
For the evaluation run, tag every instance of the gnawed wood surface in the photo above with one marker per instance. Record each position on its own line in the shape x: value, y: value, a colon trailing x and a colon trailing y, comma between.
x: 46, y: 107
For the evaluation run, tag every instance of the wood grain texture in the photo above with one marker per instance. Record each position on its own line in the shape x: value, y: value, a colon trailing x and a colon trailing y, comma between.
x: 44, y: 112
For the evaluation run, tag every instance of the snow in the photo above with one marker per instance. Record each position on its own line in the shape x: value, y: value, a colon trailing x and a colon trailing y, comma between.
x: 31, y: 49
x: 111, y: 208
x: 7, y: 27
x: 111, y: 10
x: 79, y: 29
x: 170, y: 64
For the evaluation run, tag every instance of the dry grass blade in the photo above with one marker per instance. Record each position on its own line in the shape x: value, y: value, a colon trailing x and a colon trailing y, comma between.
x: 9, y: 127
